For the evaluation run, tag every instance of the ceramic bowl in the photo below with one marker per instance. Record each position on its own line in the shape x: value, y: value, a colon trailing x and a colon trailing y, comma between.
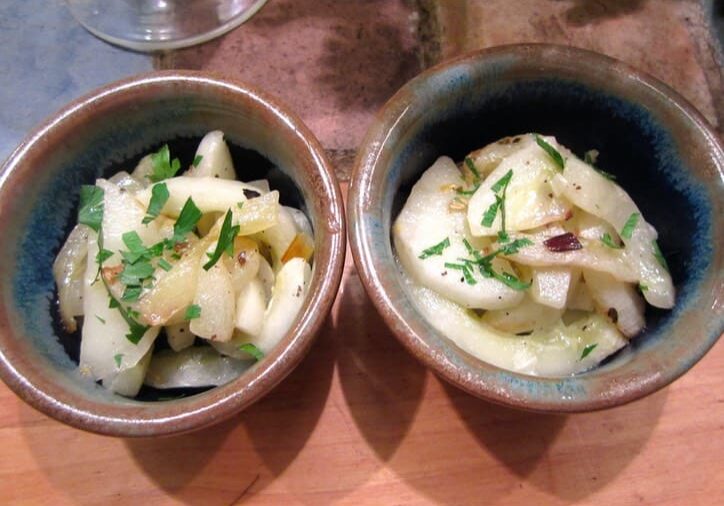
x: 95, y: 136
x: 658, y: 146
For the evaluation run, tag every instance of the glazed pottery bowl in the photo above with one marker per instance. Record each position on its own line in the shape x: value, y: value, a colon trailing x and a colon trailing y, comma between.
x: 660, y: 149
x: 96, y: 136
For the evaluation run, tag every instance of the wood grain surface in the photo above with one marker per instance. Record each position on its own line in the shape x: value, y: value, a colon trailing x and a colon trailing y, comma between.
x: 361, y: 422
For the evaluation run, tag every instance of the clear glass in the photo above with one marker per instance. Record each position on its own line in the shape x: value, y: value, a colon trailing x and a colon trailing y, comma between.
x: 154, y: 25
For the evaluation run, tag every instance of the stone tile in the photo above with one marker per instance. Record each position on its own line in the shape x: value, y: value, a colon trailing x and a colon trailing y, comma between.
x: 335, y: 62
x: 670, y: 39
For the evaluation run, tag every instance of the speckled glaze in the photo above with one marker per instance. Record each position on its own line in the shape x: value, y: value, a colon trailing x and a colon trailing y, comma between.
x: 661, y: 150
x: 39, y: 187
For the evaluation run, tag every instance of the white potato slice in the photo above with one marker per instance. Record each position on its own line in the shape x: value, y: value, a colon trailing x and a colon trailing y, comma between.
x: 579, y: 297
x: 250, y: 307
x: 215, y: 158
x: 104, y: 329
x: 589, y: 190
x: 143, y: 171
x: 126, y: 182
x: 279, y: 236
x: 425, y: 221
x: 555, y: 351
x: 525, y: 317
x: 267, y: 277
x: 68, y: 269
x: 129, y: 381
x: 259, y: 214
x: 199, y: 366
x: 210, y: 194
x: 300, y: 220
x: 260, y: 185
x: 245, y: 265
x: 551, y: 286
x: 594, y: 254
x: 179, y: 336
x: 487, y: 158
x: 215, y: 297
x: 610, y: 294
x: 166, y: 302
x: 529, y: 199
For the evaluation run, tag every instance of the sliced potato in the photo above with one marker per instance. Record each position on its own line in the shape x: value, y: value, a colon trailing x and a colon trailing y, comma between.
x: 129, y: 381
x: 245, y: 264
x: 250, y: 307
x: 300, y: 220
x: 258, y: 214
x: 179, y: 336
x: 279, y: 236
x: 215, y: 296
x: 426, y: 221
x: 143, y: 171
x: 579, y: 296
x: 525, y: 317
x: 551, y: 286
x: 215, y: 158
x: 125, y: 182
x: 68, y: 270
x: 529, y: 198
x: 487, y: 158
x: 554, y: 351
x: 260, y: 185
x: 620, y: 301
x: 199, y: 366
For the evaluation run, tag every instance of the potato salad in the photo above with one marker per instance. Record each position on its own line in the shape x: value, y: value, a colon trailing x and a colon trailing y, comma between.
x: 215, y: 265
x: 530, y: 258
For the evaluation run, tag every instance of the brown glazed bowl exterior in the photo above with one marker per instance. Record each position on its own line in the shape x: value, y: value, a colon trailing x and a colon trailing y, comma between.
x: 39, y: 187
x: 657, y: 145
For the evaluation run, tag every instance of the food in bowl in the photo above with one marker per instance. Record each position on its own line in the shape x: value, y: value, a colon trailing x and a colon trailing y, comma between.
x: 530, y: 258
x: 215, y: 265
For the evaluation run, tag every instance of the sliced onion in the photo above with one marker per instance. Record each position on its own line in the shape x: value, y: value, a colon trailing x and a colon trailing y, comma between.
x: 198, y: 366
x: 610, y: 294
x: 68, y: 270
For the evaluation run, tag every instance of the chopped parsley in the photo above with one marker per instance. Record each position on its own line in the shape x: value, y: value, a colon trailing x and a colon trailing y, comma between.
x: 630, y: 225
x: 499, y: 189
x: 470, y: 164
x: 515, y: 246
x: 435, y: 250
x: 118, y: 358
x: 658, y: 255
x: 163, y: 167
x: 643, y: 287
x: 100, y: 319
x: 131, y: 293
x: 252, y: 350
x: 103, y: 255
x: 552, y: 152
x: 91, y: 207
x: 159, y: 196
x: 587, y: 350
x: 510, y: 280
x: 192, y: 312
x: 187, y: 220
x: 225, y: 242
x: 608, y: 241
x: 135, y: 274
x: 163, y: 264
x: 197, y: 160
x: 485, y: 266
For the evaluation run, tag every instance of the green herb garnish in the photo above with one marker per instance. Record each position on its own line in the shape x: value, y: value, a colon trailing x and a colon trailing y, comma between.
x: 435, y: 250
x: 499, y: 189
x: 225, y: 242
x: 159, y: 196
x: 659, y: 256
x: 135, y: 274
x: 91, y: 207
x: 252, y: 350
x: 197, y: 160
x: 587, y: 350
x: 192, y: 312
x: 163, y: 167
x: 515, y: 246
x: 552, y: 152
x: 490, y: 213
x: 102, y: 320
x: 471, y: 165
x: 510, y: 280
x: 103, y: 255
x: 118, y: 358
x: 131, y: 293
x: 187, y: 220
x: 643, y: 287
x: 630, y: 225
x: 608, y: 241
x: 163, y: 264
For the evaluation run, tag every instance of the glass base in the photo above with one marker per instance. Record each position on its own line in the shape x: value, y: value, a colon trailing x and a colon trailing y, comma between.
x: 156, y: 25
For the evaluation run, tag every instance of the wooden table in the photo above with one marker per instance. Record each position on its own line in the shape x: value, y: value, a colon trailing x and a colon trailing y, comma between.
x: 360, y: 421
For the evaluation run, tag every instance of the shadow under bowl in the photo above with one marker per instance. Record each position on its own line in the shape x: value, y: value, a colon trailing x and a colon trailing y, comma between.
x: 659, y: 148
x: 94, y: 137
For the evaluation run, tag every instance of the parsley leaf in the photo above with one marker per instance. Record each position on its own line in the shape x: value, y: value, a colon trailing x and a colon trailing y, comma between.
x: 630, y: 225
x: 103, y: 255
x: 192, y: 312
x: 659, y: 256
x: 118, y: 358
x: 552, y: 152
x: 225, y: 242
x: 513, y: 247
x: 159, y: 196
x: 587, y: 350
x: 608, y: 241
x: 435, y: 250
x: 252, y: 350
x: 134, y: 274
x: 91, y: 207
x: 163, y: 167
x: 187, y: 220
x: 502, y: 182
x: 131, y: 293
x: 499, y: 188
x: 471, y: 166
x: 163, y: 264
x: 197, y: 160
x: 510, y: 280
x: 643, y: 287
x: 490, y: 214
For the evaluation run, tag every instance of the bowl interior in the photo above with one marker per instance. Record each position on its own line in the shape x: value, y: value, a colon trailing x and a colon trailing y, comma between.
x: 660, y: 153
x: 111, y: 131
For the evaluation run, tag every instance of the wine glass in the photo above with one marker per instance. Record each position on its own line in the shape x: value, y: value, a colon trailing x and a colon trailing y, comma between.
x: 153, y: 25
